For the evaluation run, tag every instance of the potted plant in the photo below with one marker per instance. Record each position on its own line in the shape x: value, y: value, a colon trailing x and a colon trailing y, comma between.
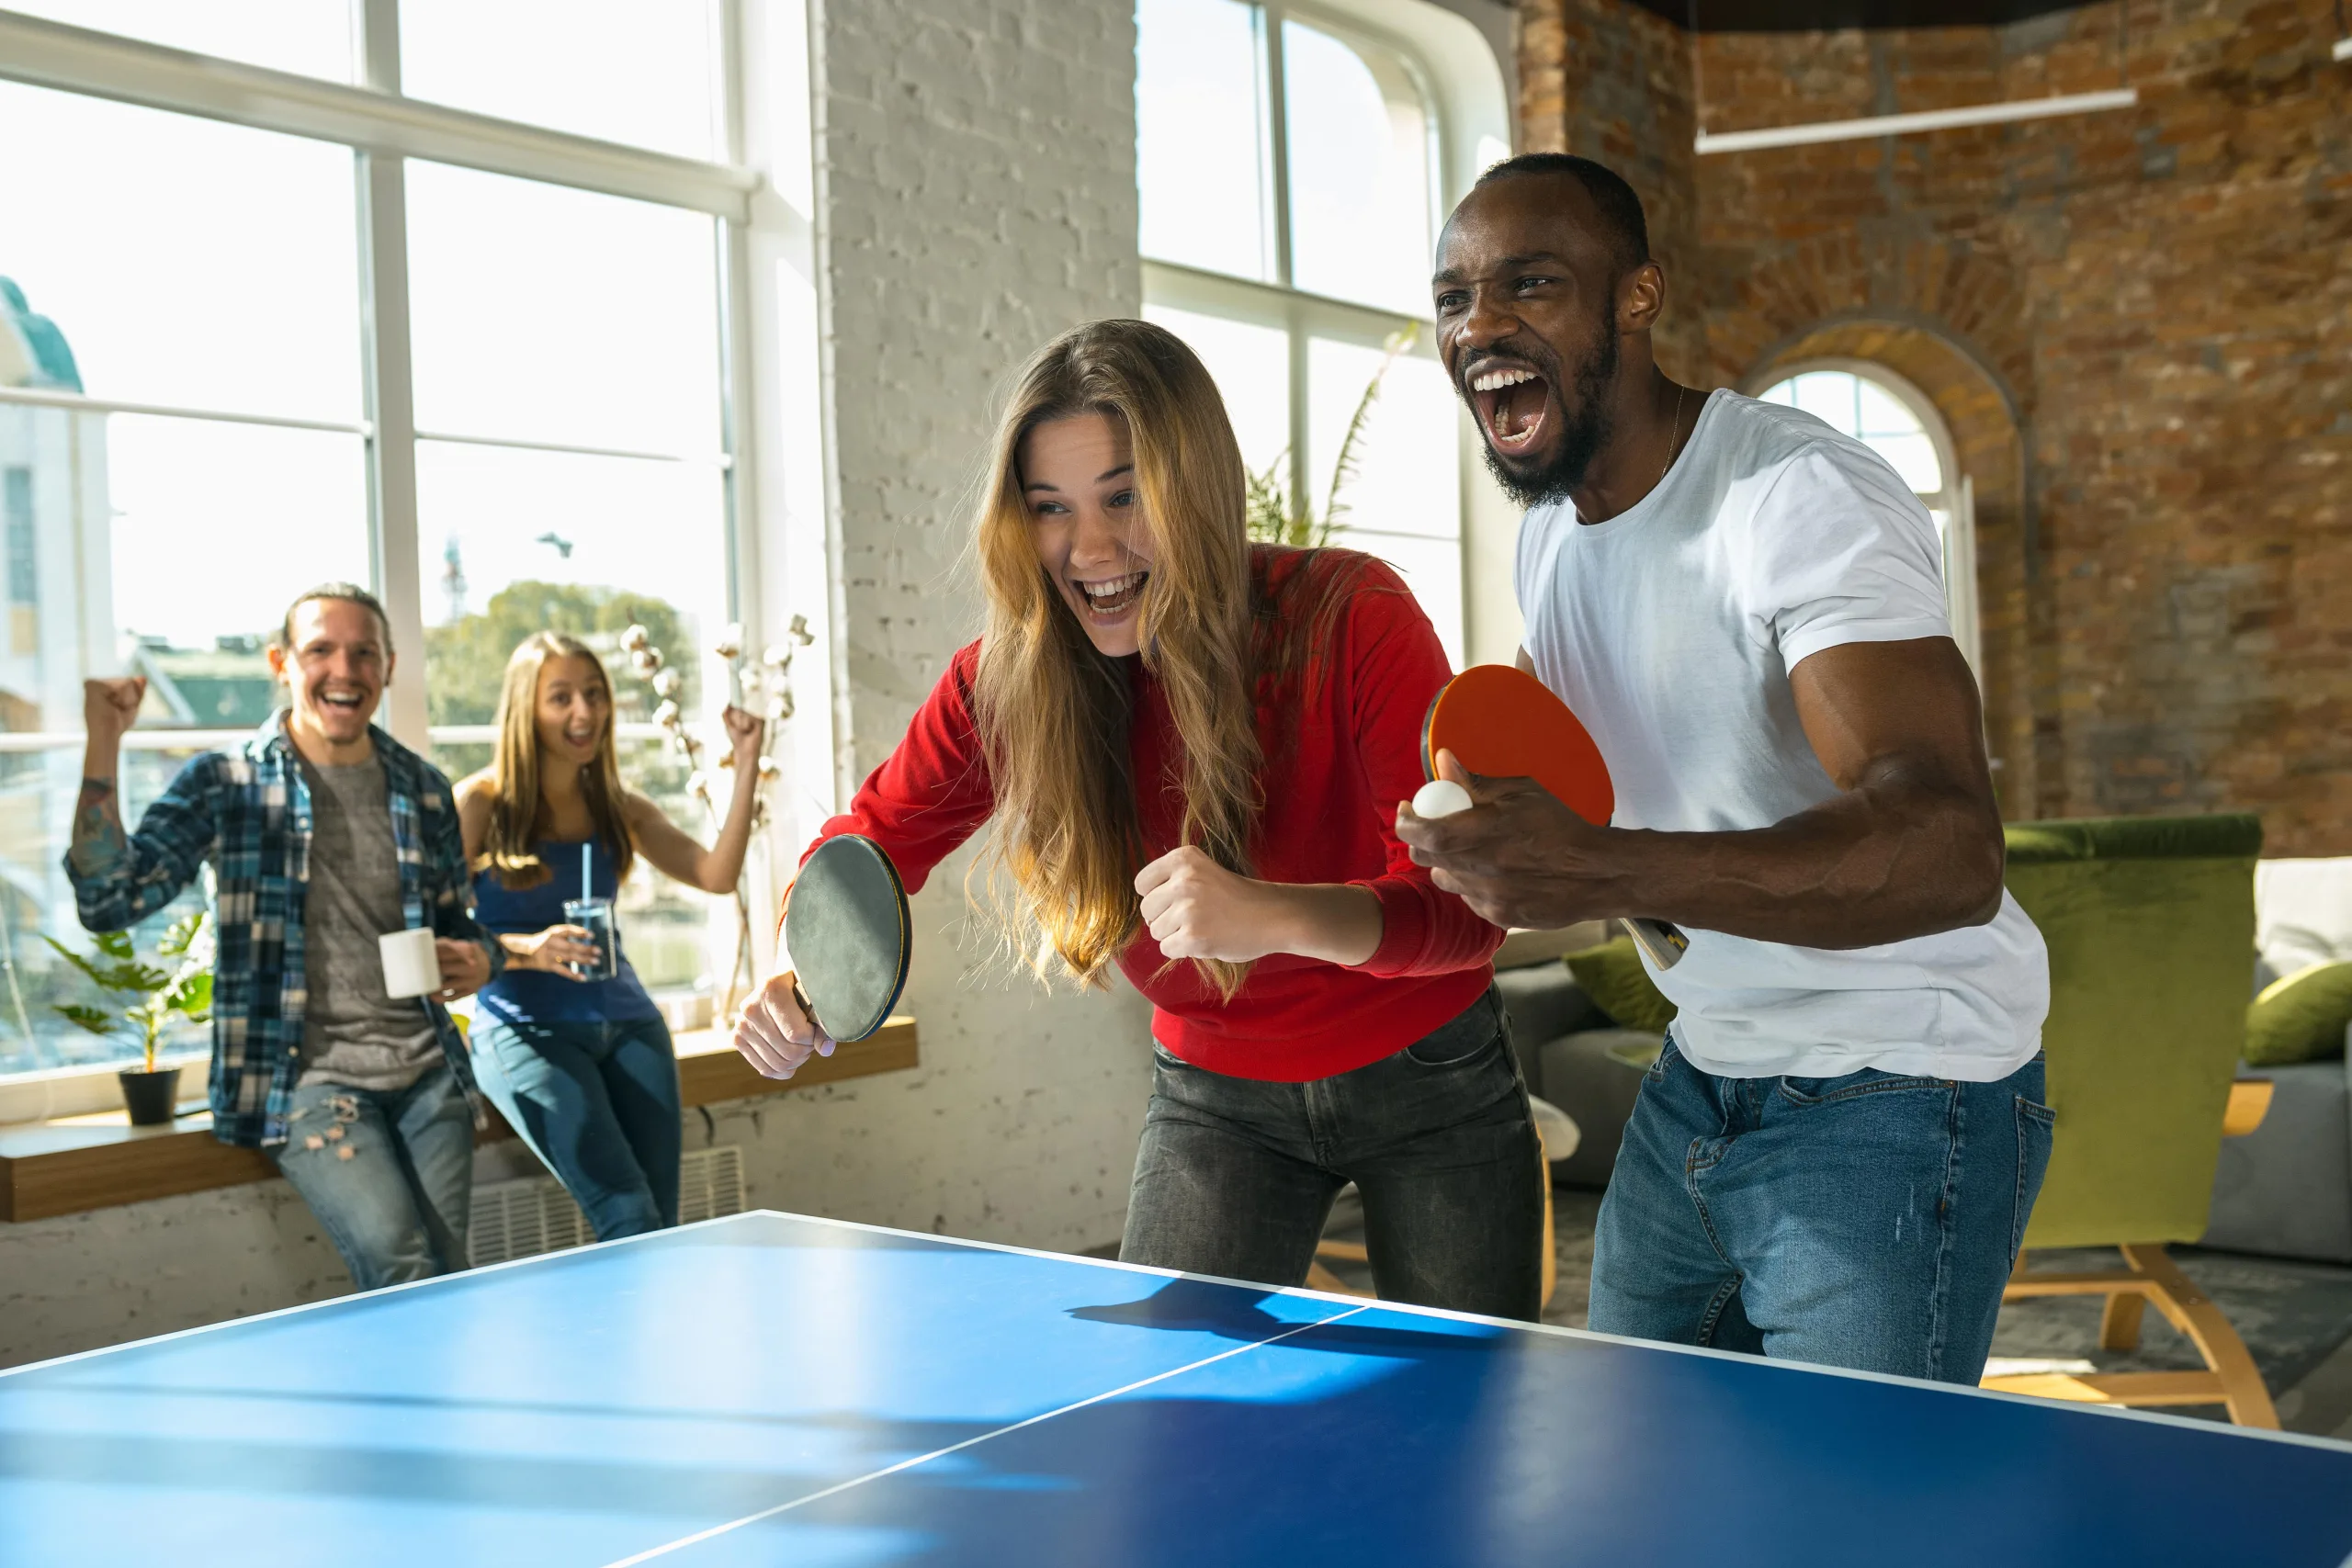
x: 150, y: 1093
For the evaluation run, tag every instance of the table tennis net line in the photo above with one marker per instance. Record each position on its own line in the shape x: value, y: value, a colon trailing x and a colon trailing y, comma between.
x: 650, y: 1553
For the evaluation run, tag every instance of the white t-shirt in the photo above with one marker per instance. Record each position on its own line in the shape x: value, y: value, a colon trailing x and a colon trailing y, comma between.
x: 1670, y: 630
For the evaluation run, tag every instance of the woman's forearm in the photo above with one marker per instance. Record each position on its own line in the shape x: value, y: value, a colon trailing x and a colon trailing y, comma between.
x: 722, y: 864
x: 1335, y: 921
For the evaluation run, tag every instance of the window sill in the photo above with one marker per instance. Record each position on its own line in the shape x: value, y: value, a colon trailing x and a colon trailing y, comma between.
x: 74, y: 1164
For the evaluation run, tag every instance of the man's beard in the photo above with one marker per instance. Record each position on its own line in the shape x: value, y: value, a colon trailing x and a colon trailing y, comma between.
x: 1584, y: 431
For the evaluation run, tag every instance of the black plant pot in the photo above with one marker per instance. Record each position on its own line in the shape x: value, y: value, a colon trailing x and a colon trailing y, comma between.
x: 150, y: 1098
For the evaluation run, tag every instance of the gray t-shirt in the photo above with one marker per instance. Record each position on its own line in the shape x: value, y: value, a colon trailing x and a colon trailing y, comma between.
x: 353, y: 1034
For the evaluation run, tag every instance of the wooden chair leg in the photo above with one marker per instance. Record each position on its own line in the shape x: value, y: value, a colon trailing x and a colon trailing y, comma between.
x: 2119, y: 1324
x: 2193, y: 1313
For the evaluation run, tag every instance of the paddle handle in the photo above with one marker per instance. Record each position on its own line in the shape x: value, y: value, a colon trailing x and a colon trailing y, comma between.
x: 1665, y: 944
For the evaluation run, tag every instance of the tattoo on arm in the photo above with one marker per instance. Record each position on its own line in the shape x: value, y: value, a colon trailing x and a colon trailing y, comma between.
x: 99, y: 845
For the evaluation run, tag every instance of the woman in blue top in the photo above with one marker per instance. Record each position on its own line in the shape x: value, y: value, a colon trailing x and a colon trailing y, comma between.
x: 582, y: 1069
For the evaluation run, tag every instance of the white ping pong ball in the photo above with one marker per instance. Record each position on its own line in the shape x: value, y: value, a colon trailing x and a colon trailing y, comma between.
x: 1439, y: 798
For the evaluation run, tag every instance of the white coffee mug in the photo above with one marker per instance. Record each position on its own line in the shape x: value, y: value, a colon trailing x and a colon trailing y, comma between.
x: 410, y: 967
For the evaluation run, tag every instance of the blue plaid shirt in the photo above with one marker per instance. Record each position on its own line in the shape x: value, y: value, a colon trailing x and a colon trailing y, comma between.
x: 248, y: 812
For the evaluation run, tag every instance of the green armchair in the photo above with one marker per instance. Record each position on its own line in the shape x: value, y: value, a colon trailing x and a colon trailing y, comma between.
x: 2150, y: 927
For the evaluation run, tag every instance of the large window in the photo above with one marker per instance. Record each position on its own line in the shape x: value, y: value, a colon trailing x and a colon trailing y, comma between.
x: 1291, y: 171
x: 249, y: 344
x: 1895, y: 419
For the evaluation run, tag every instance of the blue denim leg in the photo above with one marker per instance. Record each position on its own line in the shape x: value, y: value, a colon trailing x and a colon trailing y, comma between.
x: 1658, y: 1271
x: 388, y: 1175
x: 599, y: 1104
x: 1866, y: 1220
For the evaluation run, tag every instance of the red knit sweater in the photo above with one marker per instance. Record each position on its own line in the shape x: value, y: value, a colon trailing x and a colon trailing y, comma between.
x: 1336, y: 770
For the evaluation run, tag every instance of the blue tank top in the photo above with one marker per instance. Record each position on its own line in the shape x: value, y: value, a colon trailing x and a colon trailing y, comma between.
x: 533, y: 996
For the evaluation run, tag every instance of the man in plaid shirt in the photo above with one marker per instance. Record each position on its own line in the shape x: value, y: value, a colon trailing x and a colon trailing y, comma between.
x: 323, y: 834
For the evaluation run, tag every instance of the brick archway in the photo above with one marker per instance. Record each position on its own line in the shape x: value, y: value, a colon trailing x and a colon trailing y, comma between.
x: 1980, y: 408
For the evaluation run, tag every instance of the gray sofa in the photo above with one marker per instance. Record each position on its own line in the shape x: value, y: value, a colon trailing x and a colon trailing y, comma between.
x: 2285, y: 1189
x: 1565, y: 1044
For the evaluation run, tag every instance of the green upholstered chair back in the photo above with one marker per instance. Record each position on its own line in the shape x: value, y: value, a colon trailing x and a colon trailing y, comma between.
x: 2150, y: 924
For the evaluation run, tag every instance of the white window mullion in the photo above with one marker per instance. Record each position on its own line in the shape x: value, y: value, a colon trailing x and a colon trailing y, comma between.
x: 384, y: 359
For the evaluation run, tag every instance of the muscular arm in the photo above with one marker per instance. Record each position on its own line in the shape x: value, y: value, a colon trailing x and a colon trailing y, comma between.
x: 1910, y: 845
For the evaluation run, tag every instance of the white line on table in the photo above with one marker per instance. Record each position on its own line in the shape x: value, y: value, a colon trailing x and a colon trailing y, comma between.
x: 699, y: 1536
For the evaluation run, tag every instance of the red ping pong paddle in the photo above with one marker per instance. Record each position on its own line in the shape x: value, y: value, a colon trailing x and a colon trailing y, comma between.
x: 1502, y: 722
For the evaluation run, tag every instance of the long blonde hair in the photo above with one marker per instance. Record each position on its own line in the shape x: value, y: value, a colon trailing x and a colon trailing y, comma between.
x: 518, y: 815
x: 1052, y: 714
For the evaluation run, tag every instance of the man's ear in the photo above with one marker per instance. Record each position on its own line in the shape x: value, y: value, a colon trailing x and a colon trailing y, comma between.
x: 278, y: 660
x: 1641, y: 297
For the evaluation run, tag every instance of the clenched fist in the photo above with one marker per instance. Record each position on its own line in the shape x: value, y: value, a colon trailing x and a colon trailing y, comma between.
x: 110, y: 707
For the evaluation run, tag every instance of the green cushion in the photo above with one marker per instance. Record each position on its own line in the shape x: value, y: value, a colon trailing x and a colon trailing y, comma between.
x: 2302, y: 1018
x: 2149, y: 923
x: 1612, y: 975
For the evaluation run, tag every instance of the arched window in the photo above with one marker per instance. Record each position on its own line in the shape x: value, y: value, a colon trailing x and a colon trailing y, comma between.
x: 1895, y: 419
x: 1295, y: 162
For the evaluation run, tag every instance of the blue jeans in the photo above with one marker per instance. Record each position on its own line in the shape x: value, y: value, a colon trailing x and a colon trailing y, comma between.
x: 1868, y: 1221
x: 389, y: 1176
x: 598, y: 1103
x: 1235, y: 1177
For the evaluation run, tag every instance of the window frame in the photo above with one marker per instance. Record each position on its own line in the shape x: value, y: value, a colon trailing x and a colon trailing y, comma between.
x: 1956, y: 500
x: 1447, y: 72
x: 383, y: 129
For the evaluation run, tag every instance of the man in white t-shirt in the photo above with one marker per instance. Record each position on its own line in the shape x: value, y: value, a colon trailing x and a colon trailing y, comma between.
x: 1833, y: 1159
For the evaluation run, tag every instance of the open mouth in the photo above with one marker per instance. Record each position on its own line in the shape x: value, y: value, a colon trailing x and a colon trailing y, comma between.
x: 341, y: 701
x: 1113, y: 597
x: 1513, y: 404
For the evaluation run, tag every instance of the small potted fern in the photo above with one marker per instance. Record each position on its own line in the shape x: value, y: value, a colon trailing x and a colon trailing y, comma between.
x: 160, y: 996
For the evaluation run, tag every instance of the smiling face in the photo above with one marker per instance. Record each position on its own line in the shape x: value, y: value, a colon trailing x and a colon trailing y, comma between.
x: 572, y: 709
x: 1078, y: 480
x: 1531, y: 301
x: 334, y: 669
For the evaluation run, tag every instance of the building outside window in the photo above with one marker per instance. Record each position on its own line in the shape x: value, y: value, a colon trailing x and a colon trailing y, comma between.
x: 1896, y: 420
x: 492, y: 385
x: 1294, y: 163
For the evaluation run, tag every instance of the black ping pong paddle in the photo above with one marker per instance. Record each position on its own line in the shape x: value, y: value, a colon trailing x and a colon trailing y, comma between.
x: 846, y: 927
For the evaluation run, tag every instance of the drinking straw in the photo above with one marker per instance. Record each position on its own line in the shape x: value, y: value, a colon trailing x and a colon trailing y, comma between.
x: 587, y: 888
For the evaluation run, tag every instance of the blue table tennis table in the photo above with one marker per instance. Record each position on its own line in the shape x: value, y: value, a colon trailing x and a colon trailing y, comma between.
x: 768, y: 1389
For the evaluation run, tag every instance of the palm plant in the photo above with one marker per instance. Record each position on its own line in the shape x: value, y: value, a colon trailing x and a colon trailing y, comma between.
x: 1280, y: 515
x: 182, y: 991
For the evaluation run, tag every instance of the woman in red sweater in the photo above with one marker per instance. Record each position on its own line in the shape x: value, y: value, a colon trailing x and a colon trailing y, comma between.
x: 1194, y: 749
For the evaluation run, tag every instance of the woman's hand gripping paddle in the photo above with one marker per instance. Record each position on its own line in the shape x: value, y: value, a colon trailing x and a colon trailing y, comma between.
x: 1502, y: 722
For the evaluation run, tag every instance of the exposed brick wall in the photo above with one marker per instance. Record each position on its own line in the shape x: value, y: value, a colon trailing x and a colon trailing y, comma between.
x: 2159, y: 302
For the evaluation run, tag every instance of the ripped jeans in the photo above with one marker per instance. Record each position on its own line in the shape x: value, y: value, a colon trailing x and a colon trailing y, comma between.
x: 388, y: 1175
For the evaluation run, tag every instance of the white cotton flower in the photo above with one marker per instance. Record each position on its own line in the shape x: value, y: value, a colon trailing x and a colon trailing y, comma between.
x: 666, y: 715
x: 634, y: 639
x: 770, y: 767
x: 752, y: 681
x: 779, y: 708
x: 726, y: 759
x: 731, y: 641
x: 777, y: 657
x: 698, y: 785
x: 666, y: 682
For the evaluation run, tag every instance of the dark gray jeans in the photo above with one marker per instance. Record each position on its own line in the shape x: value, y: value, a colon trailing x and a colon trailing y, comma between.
x: 1235, y: 1177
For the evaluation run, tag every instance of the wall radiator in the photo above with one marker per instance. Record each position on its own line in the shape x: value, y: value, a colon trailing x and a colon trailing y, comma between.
x: 525, y: 1218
